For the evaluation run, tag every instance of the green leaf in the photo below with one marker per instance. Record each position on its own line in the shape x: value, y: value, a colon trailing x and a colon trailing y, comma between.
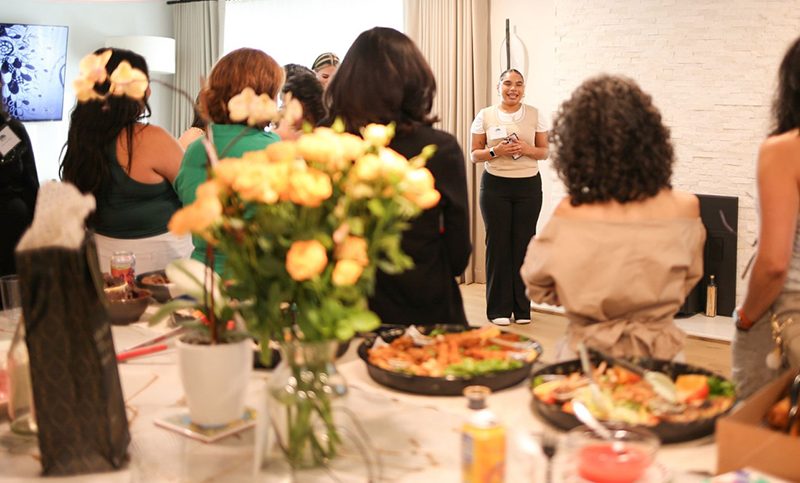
x: 344, y: 331
x: 375, y: 207
x: 364, y: 321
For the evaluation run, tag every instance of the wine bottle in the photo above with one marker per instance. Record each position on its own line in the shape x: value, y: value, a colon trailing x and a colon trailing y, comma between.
x: 711, y: 298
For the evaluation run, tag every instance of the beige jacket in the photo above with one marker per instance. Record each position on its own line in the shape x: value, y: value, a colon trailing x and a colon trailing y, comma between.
x: 620, y: 282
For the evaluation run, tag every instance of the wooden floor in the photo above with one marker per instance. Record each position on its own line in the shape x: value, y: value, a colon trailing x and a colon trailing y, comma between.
x: 547, y: 329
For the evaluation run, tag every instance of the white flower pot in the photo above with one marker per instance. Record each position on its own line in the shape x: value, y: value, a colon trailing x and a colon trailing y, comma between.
x: 215, y: 380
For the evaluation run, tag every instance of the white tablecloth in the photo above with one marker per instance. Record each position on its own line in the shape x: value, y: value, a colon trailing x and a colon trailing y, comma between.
x: 416, y: 436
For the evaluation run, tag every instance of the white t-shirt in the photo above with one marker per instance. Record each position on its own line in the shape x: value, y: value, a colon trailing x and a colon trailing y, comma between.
x: 477, y: 124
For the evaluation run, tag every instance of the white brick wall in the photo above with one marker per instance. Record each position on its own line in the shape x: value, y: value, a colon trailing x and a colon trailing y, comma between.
x: 711, y: 68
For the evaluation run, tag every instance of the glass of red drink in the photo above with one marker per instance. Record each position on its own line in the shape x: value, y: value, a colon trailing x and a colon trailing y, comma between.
x: 622, y: 461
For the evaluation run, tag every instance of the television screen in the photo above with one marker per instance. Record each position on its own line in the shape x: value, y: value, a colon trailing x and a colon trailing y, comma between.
x: 33, y: 64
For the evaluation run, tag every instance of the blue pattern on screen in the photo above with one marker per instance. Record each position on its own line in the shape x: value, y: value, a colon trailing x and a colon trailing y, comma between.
x: 33, y: 60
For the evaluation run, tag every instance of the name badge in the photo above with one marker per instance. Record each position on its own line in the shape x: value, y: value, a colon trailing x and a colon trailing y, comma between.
x: 496, y: 132
x: 8, y: 140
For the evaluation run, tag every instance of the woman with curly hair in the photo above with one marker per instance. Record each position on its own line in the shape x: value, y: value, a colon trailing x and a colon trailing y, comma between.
x: 510, y: 139
x: 623, y: 249
x: 774, y: 287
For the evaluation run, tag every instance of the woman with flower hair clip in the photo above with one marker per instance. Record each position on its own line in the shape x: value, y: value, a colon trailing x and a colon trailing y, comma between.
x: 128, y: 165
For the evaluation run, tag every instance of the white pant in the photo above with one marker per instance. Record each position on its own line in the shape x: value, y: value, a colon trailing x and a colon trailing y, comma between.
x: 153, y: 253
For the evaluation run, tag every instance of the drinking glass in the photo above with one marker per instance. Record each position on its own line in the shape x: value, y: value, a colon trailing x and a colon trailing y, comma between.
x: 12, y: 297
x: 20, y: 391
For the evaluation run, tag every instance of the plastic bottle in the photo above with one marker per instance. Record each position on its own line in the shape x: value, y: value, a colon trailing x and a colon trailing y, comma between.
x: 711, y: 298
x: 483, y: 441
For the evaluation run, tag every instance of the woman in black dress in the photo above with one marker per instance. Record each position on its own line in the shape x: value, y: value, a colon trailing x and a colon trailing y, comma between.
x: 383, y: 79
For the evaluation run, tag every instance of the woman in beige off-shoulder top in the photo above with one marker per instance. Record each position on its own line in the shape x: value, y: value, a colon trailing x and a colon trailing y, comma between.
x: 623, y: 250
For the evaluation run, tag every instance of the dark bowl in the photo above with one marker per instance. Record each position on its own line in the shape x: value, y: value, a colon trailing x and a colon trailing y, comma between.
x: 128, y: 311
x: 162, y: 292
x: 437, y: 386
x: 667, y: 431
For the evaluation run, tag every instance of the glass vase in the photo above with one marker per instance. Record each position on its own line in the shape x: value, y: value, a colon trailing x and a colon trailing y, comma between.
x: 20, y: 390
x: 303, y: 394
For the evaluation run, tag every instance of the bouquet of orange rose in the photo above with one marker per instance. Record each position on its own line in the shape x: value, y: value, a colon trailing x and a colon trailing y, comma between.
x: 305, y: 226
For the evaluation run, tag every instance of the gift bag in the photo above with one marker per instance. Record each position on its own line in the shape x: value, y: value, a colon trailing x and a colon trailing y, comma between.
x: 77, y: 395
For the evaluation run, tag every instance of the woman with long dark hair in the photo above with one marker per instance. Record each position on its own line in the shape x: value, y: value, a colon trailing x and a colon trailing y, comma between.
x: 19, y: 186
x: 774, y: 287
x: 385, y: 79
x: 623, y: 249
x: 129, y: 167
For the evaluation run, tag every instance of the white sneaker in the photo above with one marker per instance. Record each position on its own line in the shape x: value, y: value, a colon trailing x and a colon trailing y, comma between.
x: 522, y: 321
x: 501, y: 321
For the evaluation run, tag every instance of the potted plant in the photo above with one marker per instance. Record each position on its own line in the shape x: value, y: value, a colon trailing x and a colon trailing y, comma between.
x: 305, y: 226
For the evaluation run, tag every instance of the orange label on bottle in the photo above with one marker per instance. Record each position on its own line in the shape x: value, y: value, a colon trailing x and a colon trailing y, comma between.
x: 483, y: 454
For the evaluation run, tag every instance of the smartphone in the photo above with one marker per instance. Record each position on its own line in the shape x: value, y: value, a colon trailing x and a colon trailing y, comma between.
x: 512, y: 138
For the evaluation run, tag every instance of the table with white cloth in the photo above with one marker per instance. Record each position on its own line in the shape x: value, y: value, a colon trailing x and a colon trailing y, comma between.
x: 416, y: 437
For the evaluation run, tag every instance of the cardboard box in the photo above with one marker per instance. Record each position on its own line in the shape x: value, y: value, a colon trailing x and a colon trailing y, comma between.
x: 743, y: 439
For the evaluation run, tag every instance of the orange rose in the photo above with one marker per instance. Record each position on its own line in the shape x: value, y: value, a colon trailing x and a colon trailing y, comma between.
x: 321, y: 146
x: 367, y: 167
x: 378, y: 135
x: 196, y: 217
x: 352, y: 146
x: 280, y: 152
x: 354, y: 248
x: 259, y: 157
x: 306, y: 259
x: 253, y: 183
x: 420, y: 188
x: 393, y: 162
x: 227, y: 170
x: 346, y: 272
x: 309, y: 187
x: 210, y: 189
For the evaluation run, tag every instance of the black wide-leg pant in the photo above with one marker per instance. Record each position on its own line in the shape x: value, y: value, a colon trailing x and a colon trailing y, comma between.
x: 510, y: 208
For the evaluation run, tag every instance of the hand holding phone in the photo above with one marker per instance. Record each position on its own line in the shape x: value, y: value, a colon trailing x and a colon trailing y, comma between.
x: 512, y: 139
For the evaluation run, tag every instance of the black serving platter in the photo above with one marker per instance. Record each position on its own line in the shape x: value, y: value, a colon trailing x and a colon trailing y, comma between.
x: 436, y: 386
x: 160, y: 290
x: 668, y: 432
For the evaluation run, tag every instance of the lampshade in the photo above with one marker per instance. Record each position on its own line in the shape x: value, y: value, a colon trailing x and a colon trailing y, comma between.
x: 159, y: 52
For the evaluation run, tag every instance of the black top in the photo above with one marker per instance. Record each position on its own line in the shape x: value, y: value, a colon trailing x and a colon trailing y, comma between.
x: 438, y: 241
x: 19, y: 185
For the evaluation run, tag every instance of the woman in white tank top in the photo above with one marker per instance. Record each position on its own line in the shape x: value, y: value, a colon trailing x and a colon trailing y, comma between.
x: 774, y: 287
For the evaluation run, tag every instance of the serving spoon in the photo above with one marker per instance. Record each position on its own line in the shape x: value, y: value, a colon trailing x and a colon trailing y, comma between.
x: 585, y: 416
x: 660, y: 382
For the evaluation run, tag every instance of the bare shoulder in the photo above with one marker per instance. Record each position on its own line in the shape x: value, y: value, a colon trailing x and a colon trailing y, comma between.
x: 153, y: 133
x: 687, y: 204
x: 780, y: 149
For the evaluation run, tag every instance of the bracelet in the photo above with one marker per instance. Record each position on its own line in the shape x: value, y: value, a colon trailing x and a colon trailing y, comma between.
x: 742, y: 322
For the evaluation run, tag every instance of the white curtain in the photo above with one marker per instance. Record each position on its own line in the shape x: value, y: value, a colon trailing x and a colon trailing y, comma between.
x: 453, y: 35
x: 198, y: 40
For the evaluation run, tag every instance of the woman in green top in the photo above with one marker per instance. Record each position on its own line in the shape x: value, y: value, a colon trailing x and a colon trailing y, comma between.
x: 232, y: 73
x: 129, y: 167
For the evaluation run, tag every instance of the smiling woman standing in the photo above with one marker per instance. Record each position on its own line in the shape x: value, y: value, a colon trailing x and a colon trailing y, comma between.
x: 510, y: 138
